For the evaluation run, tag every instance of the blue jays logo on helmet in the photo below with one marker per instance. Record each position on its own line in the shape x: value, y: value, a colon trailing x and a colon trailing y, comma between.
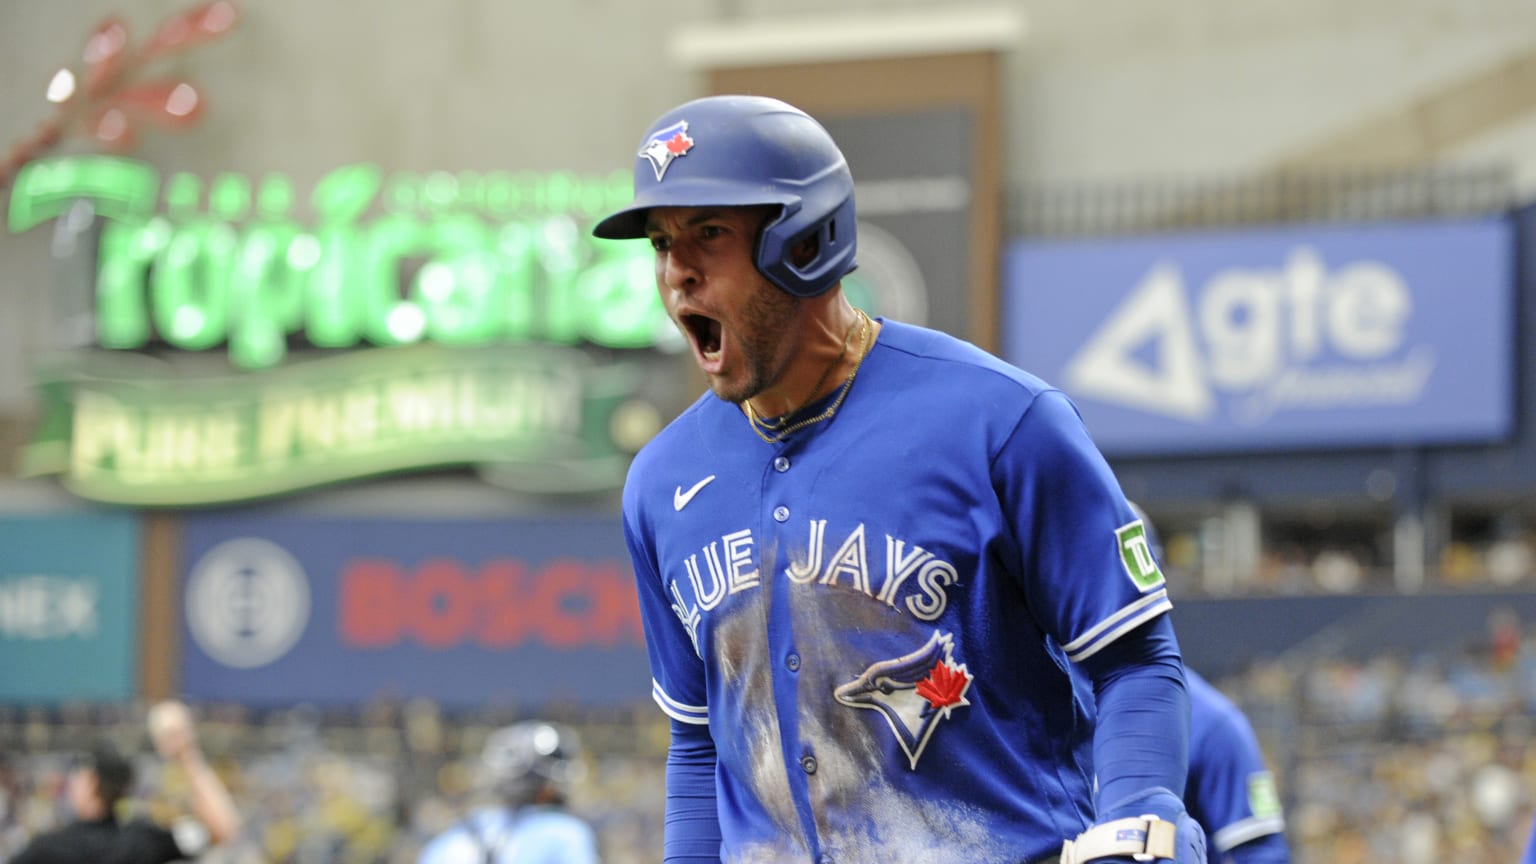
x: 667, y: 144
x: 912, y: 692
x: 748, y: 151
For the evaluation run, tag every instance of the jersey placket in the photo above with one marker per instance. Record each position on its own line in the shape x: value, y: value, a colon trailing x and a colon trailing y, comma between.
x: 781, y: 496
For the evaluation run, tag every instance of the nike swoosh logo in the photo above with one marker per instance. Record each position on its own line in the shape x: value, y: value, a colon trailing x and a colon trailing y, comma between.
x: 680, y: 498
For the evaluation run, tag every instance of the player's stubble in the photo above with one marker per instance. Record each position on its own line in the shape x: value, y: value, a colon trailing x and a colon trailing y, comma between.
x: 763, y: 334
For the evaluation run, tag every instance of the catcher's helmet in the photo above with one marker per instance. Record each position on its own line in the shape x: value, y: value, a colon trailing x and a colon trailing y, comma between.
x: 733, y: 151
x: 523, y: 759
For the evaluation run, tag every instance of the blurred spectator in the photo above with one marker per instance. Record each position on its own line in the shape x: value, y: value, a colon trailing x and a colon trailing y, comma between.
x: 103, y: 777
x: 1511, y: 560
x: 1337, y: 571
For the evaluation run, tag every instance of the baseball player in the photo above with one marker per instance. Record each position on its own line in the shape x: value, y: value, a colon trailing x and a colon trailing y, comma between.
x: 1231, y: 791
x: 527, y: 767
x: 867, y: 558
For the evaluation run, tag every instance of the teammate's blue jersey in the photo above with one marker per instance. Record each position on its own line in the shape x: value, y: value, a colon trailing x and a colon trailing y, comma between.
x: 875, y: 616
x: 1230, y: 789
x: 528, y: 835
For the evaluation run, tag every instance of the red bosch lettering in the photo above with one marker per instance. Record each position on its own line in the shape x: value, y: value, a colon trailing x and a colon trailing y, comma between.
x: 444, y: 603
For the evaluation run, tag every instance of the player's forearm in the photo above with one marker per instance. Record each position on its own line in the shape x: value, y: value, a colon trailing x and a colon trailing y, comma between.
x: 1141, y: 741
x: 210, y: 799
x: 692, y: 834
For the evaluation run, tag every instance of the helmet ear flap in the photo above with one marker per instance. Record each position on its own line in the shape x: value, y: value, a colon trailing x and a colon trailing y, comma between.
x: 833, y: 235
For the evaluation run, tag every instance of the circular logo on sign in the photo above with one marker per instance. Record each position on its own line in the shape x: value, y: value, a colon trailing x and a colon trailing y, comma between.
x: 889, y: 281
x: 247, y: 602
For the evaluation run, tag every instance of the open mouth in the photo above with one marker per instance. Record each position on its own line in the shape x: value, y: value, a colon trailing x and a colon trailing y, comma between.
x: 704, y: 332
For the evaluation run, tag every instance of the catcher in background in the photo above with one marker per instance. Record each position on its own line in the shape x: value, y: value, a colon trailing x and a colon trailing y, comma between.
x: 104, y: 777
x: 868, y: 559
x: 527, y: 768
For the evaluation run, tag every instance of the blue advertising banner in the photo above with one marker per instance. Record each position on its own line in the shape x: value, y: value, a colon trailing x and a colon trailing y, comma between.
x: 513, y: 613
x: 1286, y: 338
x: 69, y: 607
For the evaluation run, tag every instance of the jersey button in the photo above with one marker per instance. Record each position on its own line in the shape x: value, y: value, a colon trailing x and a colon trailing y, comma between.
x: 781, y: 513
x: 793, y: 662
x: 781, y: 464
x: 808, y: 764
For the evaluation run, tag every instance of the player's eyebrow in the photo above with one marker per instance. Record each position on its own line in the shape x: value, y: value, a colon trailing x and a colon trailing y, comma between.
x: 697, y: 219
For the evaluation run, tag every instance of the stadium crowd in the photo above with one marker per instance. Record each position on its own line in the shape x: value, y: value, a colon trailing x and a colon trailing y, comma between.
x: 1413, y: 759
x: 352, y: 787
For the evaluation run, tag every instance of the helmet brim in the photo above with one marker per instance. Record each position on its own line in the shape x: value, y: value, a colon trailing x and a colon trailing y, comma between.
x: 629, y: 223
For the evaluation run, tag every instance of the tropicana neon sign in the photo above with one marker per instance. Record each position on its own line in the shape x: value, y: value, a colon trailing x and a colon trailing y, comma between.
x: 456, y: 259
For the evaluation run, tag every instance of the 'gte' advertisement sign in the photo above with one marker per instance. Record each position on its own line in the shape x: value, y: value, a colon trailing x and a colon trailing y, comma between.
x: 347, y: 611
x: 1287, y: 338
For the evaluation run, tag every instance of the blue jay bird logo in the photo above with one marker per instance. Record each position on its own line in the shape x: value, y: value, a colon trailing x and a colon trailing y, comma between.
x: 666, y: 145
x: 913, y: 692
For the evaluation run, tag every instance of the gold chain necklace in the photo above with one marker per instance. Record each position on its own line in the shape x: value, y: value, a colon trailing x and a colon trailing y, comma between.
x: 776, y: 430
x: 776, y: 422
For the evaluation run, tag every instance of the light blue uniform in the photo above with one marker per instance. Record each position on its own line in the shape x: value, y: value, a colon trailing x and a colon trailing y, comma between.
x: 529, y: 835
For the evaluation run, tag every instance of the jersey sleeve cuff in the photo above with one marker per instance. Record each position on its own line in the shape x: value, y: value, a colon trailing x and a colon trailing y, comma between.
x: 698, y: 715
x: 1252, y: 828
x: 1127, y: 619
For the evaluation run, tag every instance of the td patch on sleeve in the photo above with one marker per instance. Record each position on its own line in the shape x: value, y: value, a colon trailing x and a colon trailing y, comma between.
x: 1136, y: 556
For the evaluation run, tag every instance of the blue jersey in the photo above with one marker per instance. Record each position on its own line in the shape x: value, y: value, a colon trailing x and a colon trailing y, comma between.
x: 874, y: 617
x: 1230, y: 790
x: 527, y: 835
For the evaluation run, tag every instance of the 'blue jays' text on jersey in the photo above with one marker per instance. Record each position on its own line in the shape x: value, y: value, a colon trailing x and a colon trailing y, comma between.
x: 1230, y: 790
x: 875, y: 616
x: 528, y: 835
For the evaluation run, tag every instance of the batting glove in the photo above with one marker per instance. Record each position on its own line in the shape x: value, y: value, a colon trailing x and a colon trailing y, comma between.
x: 1142, y: 838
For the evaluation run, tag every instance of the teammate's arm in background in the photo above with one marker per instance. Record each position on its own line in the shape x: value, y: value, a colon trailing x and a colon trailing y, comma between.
x: 1231, y: 790
x: 175, y: 739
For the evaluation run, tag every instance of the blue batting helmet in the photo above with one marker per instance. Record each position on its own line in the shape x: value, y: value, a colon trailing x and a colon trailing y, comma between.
x: 736, y: 151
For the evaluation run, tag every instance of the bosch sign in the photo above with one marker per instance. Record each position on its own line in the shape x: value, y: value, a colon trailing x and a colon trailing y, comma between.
x: 284, y: 610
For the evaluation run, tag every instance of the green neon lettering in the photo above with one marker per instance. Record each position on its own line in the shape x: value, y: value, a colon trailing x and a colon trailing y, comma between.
x: 458, y: 288
x: 516, y: 256
x: 460, y: 259
x: 120, y: 190
x: 189, y: 289
x: 340, y: 199
x: 387, y: 318
x: 124, y: 256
